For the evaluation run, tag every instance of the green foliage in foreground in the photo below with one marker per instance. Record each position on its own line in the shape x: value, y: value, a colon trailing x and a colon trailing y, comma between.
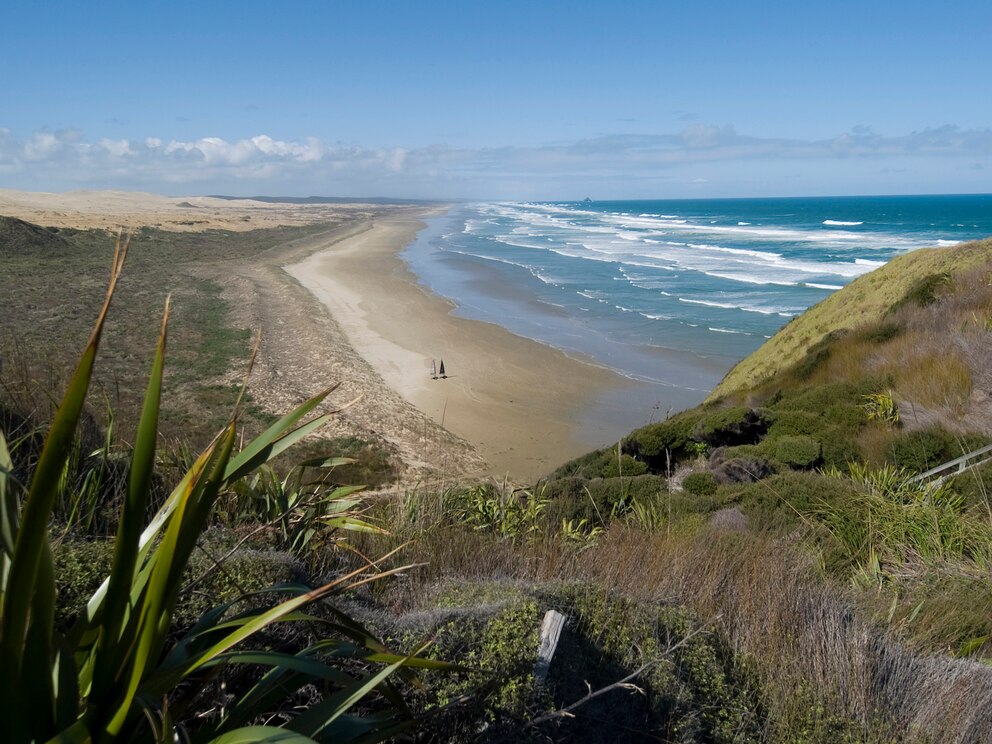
x: 118, y: 673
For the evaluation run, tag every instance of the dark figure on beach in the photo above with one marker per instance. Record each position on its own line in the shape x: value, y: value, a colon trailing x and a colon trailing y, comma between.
x: 441, y: 370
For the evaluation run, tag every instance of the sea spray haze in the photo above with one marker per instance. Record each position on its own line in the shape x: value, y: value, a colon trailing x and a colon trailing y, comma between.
x: 672, y: 293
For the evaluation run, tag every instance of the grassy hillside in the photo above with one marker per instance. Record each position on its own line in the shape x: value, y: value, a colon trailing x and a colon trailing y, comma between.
x: 52, y: 284
x: 812, y: 441
x: 863, y: 302
x: 756, y: 569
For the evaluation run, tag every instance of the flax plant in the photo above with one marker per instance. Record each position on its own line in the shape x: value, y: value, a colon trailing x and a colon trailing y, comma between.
x: 895, y: 521
x: 119, y: 673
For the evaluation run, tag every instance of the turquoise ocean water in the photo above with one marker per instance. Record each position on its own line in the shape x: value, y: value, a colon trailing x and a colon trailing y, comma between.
x: 671, y: 294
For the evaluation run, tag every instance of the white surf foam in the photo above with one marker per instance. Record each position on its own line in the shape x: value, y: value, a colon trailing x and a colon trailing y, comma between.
x: 729, y: 330
x: 842, y: 223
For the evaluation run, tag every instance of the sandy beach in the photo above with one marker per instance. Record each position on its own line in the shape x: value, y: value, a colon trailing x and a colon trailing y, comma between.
x: 516, y: 400
x: 341, y: 306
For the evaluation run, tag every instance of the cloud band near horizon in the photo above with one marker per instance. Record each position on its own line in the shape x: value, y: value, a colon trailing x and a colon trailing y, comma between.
x: 57, y: 160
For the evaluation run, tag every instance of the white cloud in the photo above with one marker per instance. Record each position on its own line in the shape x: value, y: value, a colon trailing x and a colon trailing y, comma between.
x: 260, y: 164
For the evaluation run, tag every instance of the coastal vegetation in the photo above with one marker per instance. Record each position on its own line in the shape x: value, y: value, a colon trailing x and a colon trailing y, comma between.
x: 759, y: 568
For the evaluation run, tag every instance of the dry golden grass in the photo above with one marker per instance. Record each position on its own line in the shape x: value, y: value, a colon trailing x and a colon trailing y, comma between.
x: 874, y: 442
x: 936, y: 381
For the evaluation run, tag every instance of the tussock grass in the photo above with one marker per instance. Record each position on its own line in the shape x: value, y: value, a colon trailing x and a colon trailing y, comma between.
x: 926, y: 363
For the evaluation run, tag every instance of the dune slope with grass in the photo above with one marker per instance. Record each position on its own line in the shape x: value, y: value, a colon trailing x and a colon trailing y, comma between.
x: 863, y: 302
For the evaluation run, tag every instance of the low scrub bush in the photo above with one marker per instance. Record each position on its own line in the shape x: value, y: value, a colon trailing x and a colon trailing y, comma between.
x: 666, y: 443
x: 795, y: 423
x: 625, y: 466
x: 82, y: 565
x: 798, y: 452
x: 590, y: 465
x: 777, y: 503
x: 730, y: 426
x: 838, y: 447
x: 601, y: 501
x: 700, y: 484
x: 688, y: 688
x: 616, y: 494
x: 604, y: 463
x: 821, y: 398
x: 921, y: 450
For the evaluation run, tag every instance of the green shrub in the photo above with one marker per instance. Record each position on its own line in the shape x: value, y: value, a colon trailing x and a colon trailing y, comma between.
x: 589, y: 465
x: 775, y: 503
x: 603, y: 464
x: 798, y: 452
x: 795, y: 423
x: 612, y: 490
x: 82, y: 565
x: 700, y: 484
x: 728, y: 427
x: 626, y: 467
x: 762, y: 451
x: 372, y: 464
x: 80, y: 568
x: 838, y: 447
x: 701, y: 695
x: 921, y: 450
x: 847, y: 414
x: 822, y: 397
x: 656, y: 443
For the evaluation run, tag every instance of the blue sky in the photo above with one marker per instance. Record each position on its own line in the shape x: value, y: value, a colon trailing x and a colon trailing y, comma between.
x: 498, y: 100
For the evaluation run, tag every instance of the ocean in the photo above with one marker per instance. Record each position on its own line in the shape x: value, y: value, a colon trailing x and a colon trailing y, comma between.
x: 671, y: 294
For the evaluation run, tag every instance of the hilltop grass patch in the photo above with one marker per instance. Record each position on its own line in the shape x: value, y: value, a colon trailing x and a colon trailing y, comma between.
x: 865, y: 302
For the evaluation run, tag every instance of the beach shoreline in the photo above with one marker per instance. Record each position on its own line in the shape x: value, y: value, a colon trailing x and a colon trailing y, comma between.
x: 340, y: 305
x: 519, y: 402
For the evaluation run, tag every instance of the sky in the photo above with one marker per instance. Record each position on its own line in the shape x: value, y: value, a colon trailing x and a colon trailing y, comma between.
x: 498, y: 100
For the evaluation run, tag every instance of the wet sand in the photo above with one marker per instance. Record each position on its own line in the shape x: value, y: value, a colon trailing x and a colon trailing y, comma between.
x: 519, y: 402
